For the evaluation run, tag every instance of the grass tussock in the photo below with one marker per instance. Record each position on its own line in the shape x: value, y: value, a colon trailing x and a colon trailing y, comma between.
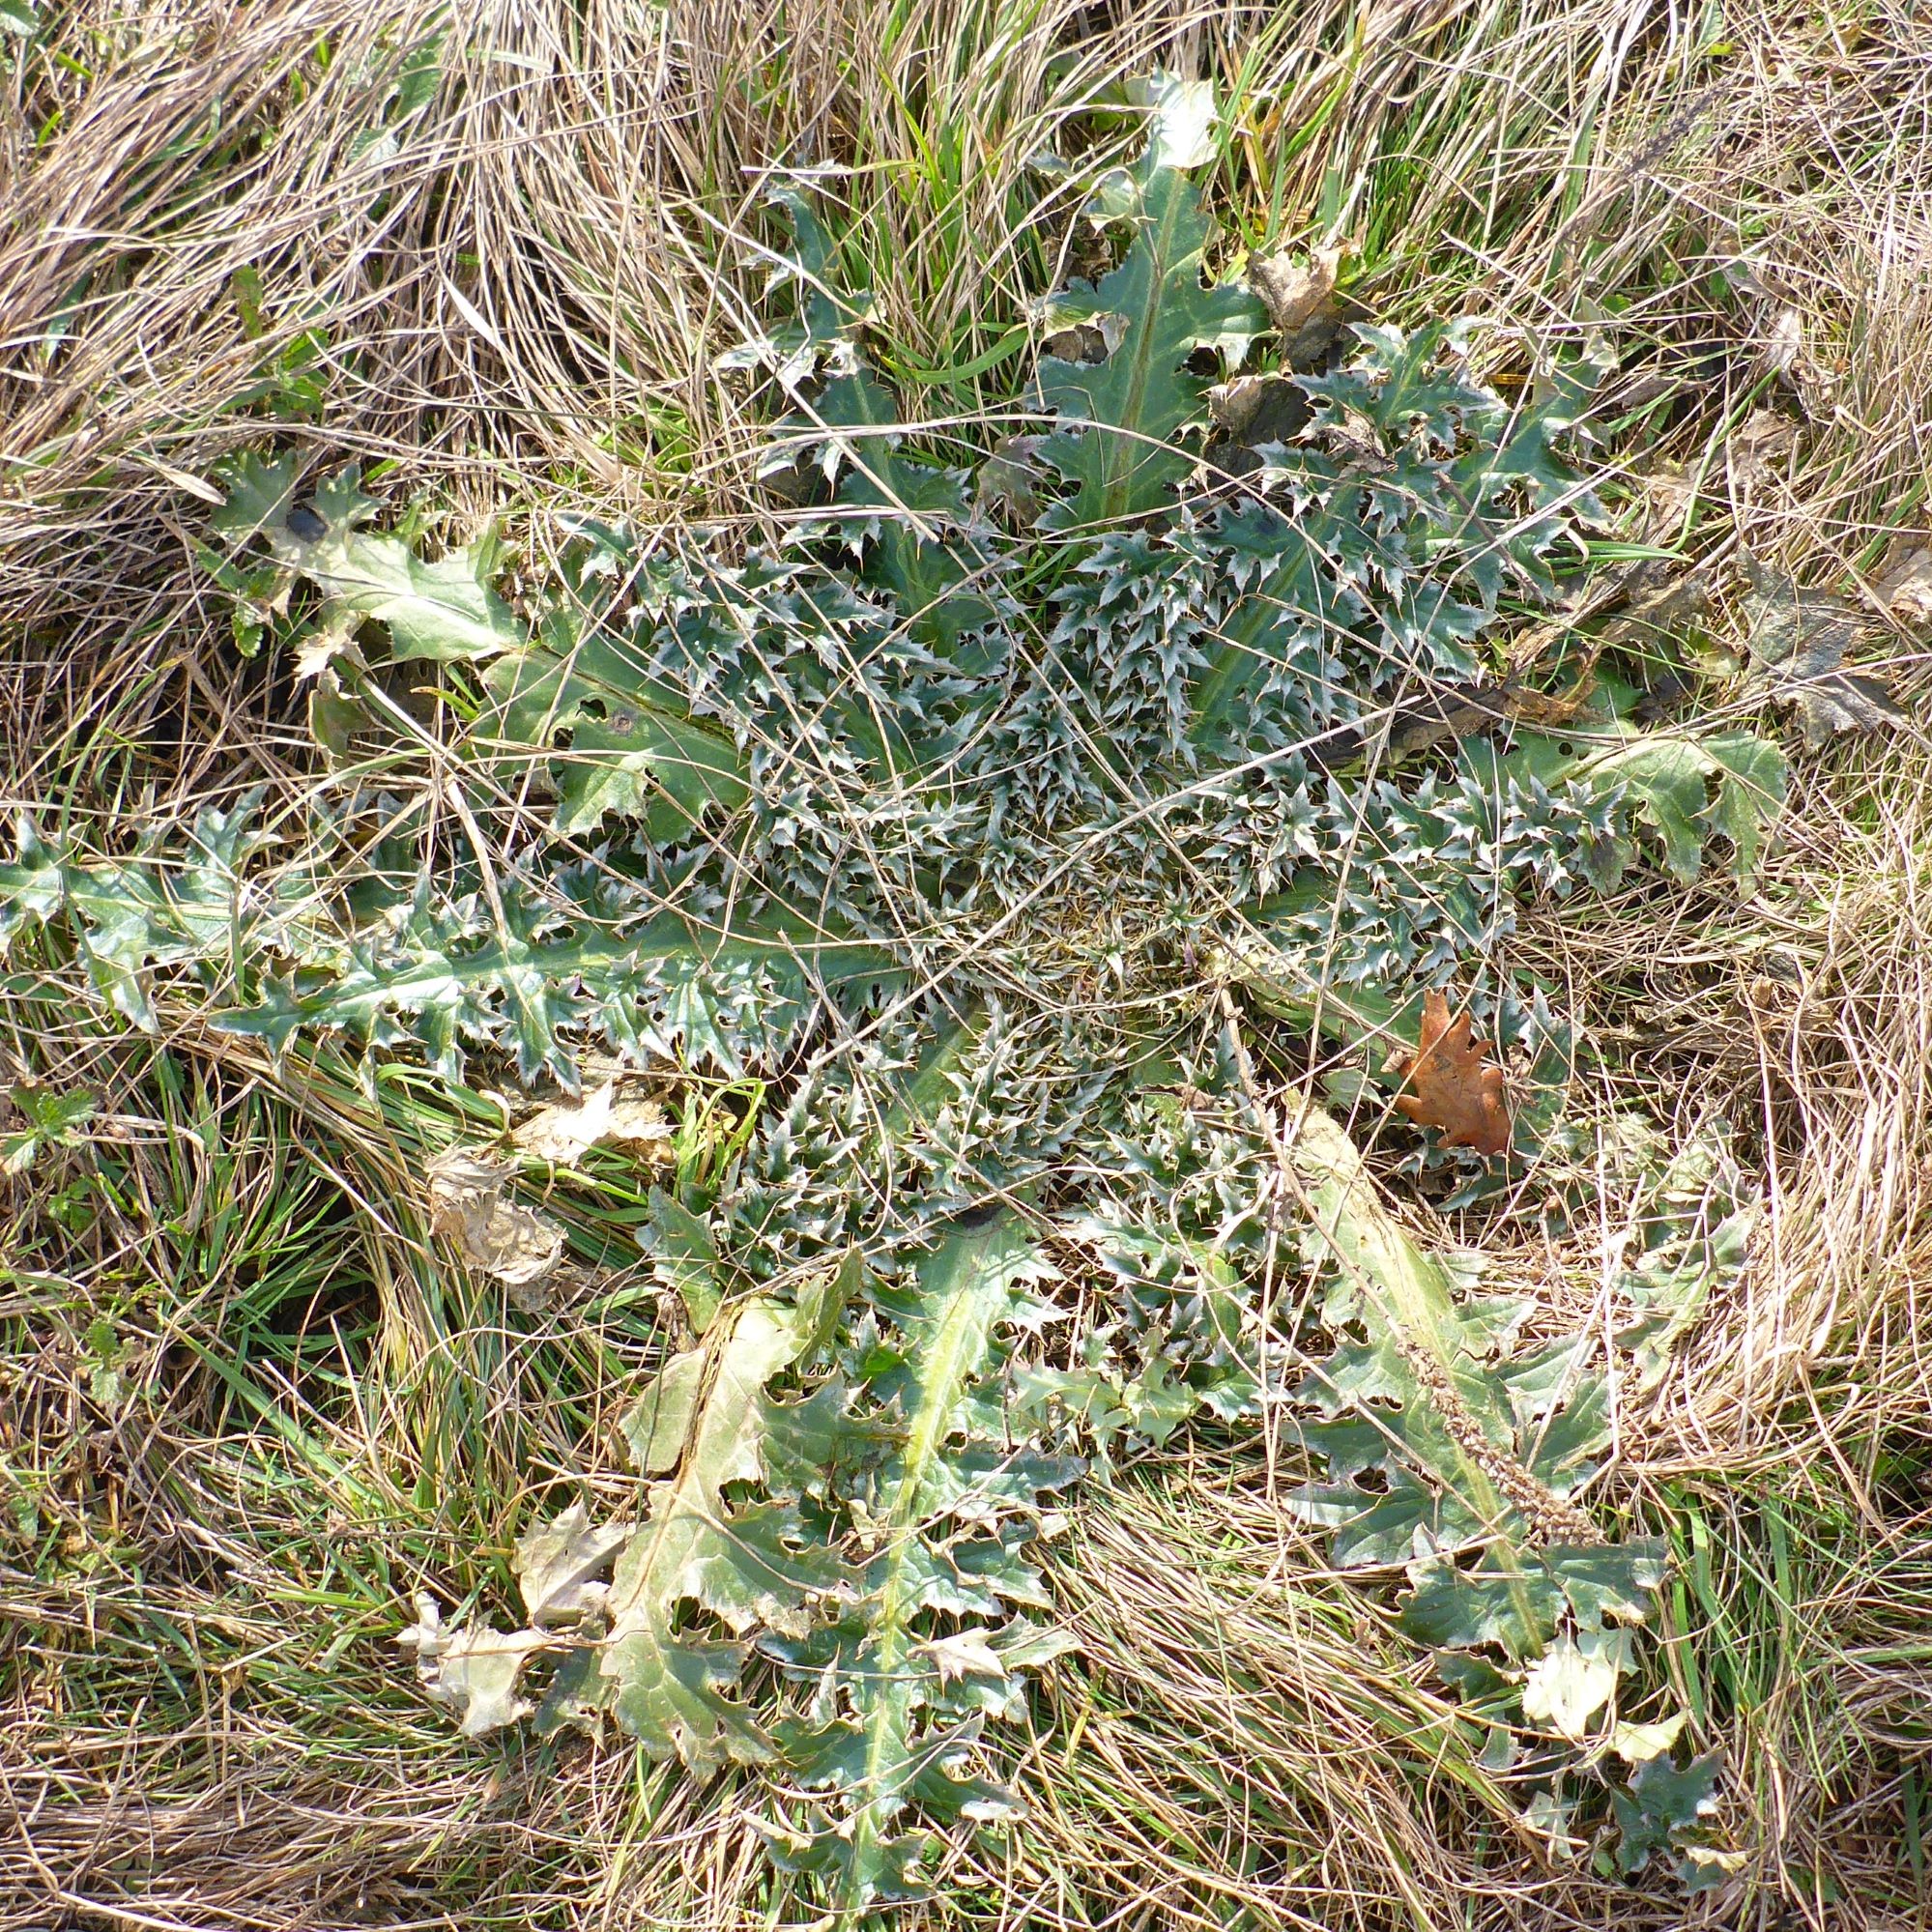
x: 247, y: 1404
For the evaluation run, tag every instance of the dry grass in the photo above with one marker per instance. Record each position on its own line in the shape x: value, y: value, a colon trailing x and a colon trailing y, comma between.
x: 224, y: 223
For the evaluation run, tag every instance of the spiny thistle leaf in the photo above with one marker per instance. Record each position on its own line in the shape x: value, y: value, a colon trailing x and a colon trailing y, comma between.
x: 1694, y: 1230
x: 911, y: 516
x: 1466, y: 1455
x: 631, y: 740
x: 895, y: 1712
x: 158, y: 908
x: 1120, y: 416
x: 577, y: 961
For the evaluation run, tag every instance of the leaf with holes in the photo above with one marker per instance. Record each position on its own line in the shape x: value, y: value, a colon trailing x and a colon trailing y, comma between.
x: 438, y: 611
x: 1120, y: 416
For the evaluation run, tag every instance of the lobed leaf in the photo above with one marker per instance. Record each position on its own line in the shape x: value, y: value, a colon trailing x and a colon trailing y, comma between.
x: 1120, y: 416
x: 437, y: 612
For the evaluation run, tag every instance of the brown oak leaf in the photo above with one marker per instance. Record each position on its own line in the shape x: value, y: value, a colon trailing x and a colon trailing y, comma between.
x: 1448, y: 1086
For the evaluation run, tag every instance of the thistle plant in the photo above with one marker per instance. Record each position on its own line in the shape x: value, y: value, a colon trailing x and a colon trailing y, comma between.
x: 989, y: 817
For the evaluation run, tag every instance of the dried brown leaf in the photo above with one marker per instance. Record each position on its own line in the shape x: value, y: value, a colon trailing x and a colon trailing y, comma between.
x: 1906, y: 588
x: 1798, y: 639
x: 1300, y: 300
x: 514, y: 1244
x: 1448, y: 1085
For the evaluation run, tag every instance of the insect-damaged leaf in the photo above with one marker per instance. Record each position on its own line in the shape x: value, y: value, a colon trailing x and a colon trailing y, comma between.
x: 633, y: 746
x: 1123, y: 414
x: 1679, y: 788
x: 1663, y: 1807
x: 1449, y: 1086
x: 1459, y: 1610
x: 438, y: 611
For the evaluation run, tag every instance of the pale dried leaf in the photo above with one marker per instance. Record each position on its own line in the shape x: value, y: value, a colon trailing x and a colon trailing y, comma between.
x: 1761, y: 446
x: 964, y: 1653
x: 320, y: 647
x: 1715, y: 1857
x: 514, y: 1244
x: 557, y: 1566
x: 1550, y: 1819
x: 1637, y: 1743
x: 1906, y: 587
x: 1784, y: 341
x: 1567, y: 1687
x: 560, y: 1133
x: 470, y: 1672
x: 1668, y: 497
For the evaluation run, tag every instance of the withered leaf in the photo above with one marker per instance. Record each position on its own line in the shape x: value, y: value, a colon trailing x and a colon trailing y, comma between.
x: 1448, y: 1086
x: 499, y: 1237
x: 470, y: 1671
x: 563, y: 1132
x: 1797, y: 641
x: 558, y: 1565
x: 1249, y: 414
x: 1906, y: 588
x: 1009, y: 480
x: 1300, y: 298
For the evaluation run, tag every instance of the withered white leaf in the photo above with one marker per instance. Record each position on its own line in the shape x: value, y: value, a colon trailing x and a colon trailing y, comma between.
x: 557, y: 1565
x: 471, y: 1672
x: 1638, y: 1743
x: 502, y: 1238
x: 1784, y: 341
x: 1568, y: 1686
x: 964, y: 1653
x: 322, y: 643
x: 562, y: 1132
